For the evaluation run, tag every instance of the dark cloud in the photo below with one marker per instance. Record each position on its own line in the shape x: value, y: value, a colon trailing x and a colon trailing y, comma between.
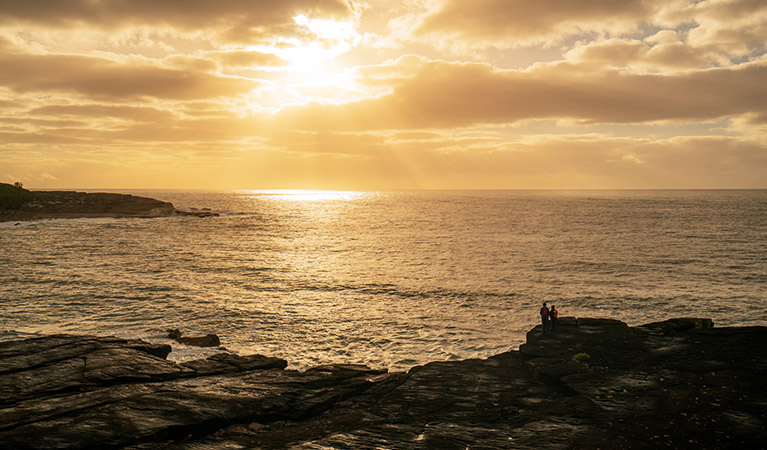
x: 230, y: 21
x: 37, y: 138
x: 517, y: 22
x: 44, y: 123
x: 188, y: 14
x: 138, y: 113
x: 106, y: 79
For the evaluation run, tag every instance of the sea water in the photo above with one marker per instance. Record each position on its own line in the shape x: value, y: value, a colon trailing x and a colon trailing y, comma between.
x: 387, y: 279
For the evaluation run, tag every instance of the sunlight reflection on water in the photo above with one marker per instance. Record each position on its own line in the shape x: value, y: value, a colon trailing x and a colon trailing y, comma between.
x: 305, y: 195
x: 387, y: 279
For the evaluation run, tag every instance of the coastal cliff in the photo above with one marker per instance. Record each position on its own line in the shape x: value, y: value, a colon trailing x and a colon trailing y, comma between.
x: 18, y: 204
x: 680, y: 384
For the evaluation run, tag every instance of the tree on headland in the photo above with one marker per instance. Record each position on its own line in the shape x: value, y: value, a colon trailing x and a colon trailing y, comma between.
x: 13, y: 196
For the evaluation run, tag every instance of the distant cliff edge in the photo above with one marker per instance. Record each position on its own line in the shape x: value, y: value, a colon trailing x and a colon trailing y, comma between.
x: 17, y: 204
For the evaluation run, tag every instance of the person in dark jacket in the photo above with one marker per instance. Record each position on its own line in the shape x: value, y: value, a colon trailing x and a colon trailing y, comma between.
x: 544, y: 318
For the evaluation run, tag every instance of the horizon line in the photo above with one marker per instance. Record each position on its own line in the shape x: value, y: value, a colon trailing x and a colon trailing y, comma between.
x: 254, y: 190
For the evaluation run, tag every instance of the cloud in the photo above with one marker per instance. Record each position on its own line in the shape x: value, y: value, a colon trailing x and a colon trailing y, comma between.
x: 733, y: 27
x: 209, y: 129
x: 6, y: 104
x: 37, y: 138
x: 139, y: 92
x: 442, y: 94
x: 248, y: 59
x: 107, y: 79
x: 161, y: 28
x: 513, y: 23
x: 238, y: 19
x: 137, y: 113
x: 737, y: 27
x: 190, y: 63
x: 449, y: 160
x: 40, y: 123
x: 662, y: 51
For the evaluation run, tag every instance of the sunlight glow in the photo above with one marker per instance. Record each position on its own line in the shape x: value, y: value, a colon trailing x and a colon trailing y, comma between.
x: 331, y: 38
x: 329, y: 29
x: 311, y: 74
x: 308, y: 58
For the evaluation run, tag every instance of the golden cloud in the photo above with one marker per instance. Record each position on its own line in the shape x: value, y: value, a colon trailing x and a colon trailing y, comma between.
x: 642, y: 55
x: 248, y: 59
x: 543, y: 161
x: 104, y: 90
x: 737, y: 27
x: 441, y: 94
x: 136, y: 113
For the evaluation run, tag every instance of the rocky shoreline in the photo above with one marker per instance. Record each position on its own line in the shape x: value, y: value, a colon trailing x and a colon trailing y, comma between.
x: 22, y: 205
x: 674, y: 384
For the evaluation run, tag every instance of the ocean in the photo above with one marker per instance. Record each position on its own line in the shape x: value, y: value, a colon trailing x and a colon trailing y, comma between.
x: 386, y: 279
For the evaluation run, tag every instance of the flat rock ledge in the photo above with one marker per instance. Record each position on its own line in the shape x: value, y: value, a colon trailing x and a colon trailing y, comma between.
x: 674, y: 384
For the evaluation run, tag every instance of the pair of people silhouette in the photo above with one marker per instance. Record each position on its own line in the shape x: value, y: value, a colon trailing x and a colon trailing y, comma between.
x: 549, y: 318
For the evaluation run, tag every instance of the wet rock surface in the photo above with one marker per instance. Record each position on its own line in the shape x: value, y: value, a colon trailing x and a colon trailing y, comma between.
x: 664, y: 385
x: 37, y: 205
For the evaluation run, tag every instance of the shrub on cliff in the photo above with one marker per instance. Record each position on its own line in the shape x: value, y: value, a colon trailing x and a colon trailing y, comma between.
x: 13, y: 197
x: 582, y: 357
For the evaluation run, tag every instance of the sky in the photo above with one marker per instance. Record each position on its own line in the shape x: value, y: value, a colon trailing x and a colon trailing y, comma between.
x: 383, y: 95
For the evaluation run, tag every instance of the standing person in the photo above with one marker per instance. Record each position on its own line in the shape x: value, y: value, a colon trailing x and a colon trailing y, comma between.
x: 553, y: 316
x: 544, y: 318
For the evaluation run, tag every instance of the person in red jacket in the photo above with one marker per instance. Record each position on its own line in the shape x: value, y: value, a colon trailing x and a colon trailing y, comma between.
x: 544, y: 318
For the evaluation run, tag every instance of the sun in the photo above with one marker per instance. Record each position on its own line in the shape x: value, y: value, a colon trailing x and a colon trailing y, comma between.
x: 311, y: 60
x: 311, y: 72
x: 312, y: 57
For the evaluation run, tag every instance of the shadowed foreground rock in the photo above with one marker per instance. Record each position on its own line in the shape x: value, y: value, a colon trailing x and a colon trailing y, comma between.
x: 673, y: 384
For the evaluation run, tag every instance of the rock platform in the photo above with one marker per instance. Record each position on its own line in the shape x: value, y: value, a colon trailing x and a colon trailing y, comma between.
x: 674, y: 384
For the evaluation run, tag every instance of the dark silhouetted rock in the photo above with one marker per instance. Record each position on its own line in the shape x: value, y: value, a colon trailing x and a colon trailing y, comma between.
x: 696, y: 388
x: 174, y: 333
x: 209, y: 340
x: 672, y: 326
x: 204, y: 212
x: 20, y: 204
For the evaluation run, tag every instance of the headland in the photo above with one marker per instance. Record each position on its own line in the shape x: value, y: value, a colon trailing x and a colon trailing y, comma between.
x: 19, y: 204
x: 681, y: 383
